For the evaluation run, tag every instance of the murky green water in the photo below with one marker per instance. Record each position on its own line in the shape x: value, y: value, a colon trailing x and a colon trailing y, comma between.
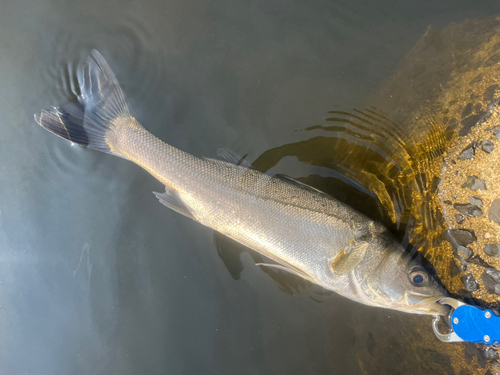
x: 96, y: 277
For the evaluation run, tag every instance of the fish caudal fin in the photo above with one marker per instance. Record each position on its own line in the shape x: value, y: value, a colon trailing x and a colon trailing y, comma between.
x: 66, y: 122
x: 89, y: 121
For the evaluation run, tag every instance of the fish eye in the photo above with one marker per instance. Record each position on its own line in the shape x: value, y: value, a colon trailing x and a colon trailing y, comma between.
x: 418, y: 277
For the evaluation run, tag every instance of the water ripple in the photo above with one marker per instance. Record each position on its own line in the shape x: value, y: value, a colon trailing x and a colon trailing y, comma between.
x: 129, y: 47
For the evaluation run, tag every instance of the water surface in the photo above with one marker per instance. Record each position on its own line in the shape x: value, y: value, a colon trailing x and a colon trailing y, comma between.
x: 96, y: 277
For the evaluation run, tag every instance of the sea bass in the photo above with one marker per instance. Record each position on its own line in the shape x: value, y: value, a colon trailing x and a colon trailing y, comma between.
x: 303, y: 230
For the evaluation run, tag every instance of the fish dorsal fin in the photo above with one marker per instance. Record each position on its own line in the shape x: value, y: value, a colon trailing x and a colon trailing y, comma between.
x: 293, y: 181
x: 350, y: 257
x: 171, y: 199
x: 230, y: 156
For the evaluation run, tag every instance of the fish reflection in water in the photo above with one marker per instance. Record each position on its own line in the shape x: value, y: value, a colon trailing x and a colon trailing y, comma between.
x: 303, y: 230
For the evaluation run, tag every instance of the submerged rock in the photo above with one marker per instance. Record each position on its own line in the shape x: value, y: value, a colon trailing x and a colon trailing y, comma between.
x: 468, y: 152
x: 468, y: 209
x: 488, y: 146
x: 464, y: 252
x: 470, y: 282
x: 435, y: 184
x: 496, y: 131
x: 460, y: 237
x: 492, y: 250
x: 476, y: 259
x: 468, y: 123
x: 491, y: 280
x: 475, y: 201
x: 474, y: 183
x: 494, y: 212
x: 461, y: 88
x: 490, y: 354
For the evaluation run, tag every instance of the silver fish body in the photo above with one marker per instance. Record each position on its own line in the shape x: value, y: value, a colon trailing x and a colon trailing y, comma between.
x: 306, y: 232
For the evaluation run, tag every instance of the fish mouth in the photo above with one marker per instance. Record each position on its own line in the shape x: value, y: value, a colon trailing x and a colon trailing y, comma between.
x: 425, y: 304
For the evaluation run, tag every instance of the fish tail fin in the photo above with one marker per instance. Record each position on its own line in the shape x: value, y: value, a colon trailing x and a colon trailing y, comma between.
x: 91, y: 121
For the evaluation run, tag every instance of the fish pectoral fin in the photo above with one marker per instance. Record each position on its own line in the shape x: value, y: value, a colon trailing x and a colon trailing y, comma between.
x: 347, y: 260
x: 172, y: 199
x: 286, y: 268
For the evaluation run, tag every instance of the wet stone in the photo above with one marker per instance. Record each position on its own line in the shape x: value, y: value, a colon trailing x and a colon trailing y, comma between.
x: 496, y: 131
x: 490, y: 354
x: 475, y: 201
x: 464, y: 252
x: 460, y: 237
x: 485, y: 116
x: 489, y: 93
x: 476, y: 211
x: 460, y: 219
x: 474, y: 183
x: 488, y: 146
x: 470, y: 283
x: 492, y: 250
x: 467, y: 111
x: 467, y: 124
x: 454, y: 196
x: 468, y: 152
x: 476, y: 259
x: 468, y: 209
x: 457, y: 270
x: 491, y: 280
x: 494, y: 213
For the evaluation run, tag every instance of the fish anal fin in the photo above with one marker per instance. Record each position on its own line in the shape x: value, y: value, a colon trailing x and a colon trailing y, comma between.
x: 172, y: 199
x: 347, y: 260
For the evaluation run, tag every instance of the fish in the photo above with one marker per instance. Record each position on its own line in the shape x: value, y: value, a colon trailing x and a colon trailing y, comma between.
x: 302, y: 230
